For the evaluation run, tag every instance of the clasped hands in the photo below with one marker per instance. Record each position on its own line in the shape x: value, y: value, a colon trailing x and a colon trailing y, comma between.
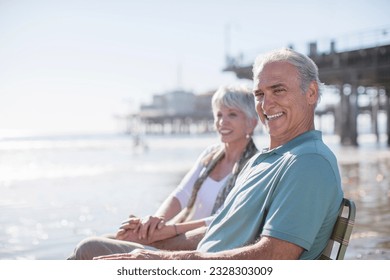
x: 146, y: 230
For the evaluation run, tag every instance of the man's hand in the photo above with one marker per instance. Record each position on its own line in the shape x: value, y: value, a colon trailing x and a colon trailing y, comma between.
x: 137, y: 254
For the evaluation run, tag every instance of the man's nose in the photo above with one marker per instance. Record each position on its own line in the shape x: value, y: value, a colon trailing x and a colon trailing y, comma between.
x: 266, y: 103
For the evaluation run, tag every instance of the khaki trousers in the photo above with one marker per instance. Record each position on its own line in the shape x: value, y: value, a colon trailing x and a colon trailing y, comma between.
x: 96, y: 246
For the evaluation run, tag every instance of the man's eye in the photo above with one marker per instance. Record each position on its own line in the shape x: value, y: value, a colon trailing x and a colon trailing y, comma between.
x: 259, y: 96
x: 278, y: 90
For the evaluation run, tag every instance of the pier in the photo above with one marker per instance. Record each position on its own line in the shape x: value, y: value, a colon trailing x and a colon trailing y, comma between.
x: 355, y: 73
x: 352, y: 73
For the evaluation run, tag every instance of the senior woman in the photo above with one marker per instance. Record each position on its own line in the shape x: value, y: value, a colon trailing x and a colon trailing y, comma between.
x: 204, y: 188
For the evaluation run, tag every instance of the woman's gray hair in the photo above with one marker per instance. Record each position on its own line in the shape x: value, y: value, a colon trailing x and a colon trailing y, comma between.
x: 237, y: 97
x: 307, y: 69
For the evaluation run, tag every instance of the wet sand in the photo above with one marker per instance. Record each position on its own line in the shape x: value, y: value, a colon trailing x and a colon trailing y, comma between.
x: 366, y: 180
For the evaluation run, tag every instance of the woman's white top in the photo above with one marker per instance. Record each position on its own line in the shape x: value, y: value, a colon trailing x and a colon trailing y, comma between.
x: 207, y: 194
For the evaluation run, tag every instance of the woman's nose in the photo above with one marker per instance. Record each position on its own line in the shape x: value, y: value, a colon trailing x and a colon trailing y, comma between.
x: 221, y: 120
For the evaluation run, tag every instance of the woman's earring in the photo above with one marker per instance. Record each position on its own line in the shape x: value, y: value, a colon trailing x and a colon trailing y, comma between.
x: 248, y: 136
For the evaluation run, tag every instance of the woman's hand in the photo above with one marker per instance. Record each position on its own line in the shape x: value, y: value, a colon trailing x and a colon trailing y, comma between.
x: 166, y: 232
x: 147, y: 227
x: 144, y: 228
x: 129, y: 235
x: 132, y: 223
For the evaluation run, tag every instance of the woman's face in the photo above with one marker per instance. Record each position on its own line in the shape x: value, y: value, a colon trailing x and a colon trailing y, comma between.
x: 231, y: 124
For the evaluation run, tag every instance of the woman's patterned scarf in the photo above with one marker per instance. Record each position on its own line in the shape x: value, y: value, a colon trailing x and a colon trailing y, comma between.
x: 216, y: 156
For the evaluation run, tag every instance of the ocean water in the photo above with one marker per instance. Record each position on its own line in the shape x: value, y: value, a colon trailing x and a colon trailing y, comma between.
x: 56, y: 191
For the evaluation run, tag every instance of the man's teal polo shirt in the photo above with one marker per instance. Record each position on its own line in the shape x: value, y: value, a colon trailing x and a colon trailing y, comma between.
x: 292, y: 192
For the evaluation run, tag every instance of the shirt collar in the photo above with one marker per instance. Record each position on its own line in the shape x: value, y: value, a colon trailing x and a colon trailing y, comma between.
x: 306, y: 136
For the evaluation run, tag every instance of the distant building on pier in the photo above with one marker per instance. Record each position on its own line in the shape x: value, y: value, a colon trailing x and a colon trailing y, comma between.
x: 176, y: 111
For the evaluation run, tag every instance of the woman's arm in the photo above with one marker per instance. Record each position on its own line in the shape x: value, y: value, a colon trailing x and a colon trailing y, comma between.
x: 166, y: 232
x: 169, y: 208
x: 147, y: 226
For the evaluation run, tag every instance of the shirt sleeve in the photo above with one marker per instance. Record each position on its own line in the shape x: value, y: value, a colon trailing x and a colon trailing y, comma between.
x: 209, y: 219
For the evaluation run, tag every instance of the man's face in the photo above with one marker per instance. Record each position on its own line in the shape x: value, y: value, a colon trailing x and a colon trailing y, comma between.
x: 283, y: 108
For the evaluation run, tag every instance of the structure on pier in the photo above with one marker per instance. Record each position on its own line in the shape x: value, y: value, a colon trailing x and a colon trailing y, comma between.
x: 173, y: 112
x: 354, y: 73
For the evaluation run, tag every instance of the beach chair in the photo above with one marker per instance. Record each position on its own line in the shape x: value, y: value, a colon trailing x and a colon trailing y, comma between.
x: 338, y: 242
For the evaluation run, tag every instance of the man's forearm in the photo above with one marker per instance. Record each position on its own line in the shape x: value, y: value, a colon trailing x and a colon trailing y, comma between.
x: 266, y: 248
x: 186, y: 241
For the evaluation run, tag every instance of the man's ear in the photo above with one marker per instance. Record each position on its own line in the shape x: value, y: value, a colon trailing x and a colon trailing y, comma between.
x: 312, y: 93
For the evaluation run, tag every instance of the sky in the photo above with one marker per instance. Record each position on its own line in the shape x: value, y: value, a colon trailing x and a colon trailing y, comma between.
x: 72, y: 66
